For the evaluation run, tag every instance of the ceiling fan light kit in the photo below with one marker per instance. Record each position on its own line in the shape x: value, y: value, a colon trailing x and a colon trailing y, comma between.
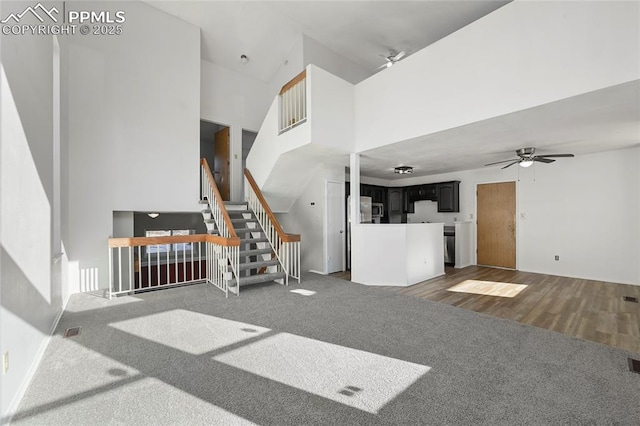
x: 403, y: 170
x: 528, y: 157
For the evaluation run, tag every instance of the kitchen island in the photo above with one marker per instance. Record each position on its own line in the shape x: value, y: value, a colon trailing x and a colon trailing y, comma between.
x: 399, y: 254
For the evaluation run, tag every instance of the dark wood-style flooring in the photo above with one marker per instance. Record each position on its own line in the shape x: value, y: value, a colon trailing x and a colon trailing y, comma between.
x: 592, y: 310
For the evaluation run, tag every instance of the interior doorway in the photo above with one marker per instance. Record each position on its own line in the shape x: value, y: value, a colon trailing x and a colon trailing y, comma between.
x: 215, y: 148
x: 496, y: 215
x: 248, y: 137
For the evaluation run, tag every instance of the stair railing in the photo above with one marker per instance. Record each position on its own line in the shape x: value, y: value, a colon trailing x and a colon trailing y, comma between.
x: 221, y: 219
x: 293, y: 102
x: 285, y: 246
x: 144, y: 263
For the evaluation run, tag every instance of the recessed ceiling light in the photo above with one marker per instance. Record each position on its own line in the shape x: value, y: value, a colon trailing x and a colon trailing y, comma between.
x: 244, y: 59
x: 403, y: 170
x: 153, y: 215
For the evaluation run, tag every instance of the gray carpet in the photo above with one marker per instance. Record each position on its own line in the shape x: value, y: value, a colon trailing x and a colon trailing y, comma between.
x: 347, y: 355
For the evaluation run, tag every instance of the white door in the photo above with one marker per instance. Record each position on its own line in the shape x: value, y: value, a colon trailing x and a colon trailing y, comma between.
x: 335, y: 226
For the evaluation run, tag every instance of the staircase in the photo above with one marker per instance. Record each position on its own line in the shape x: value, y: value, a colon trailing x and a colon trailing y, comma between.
x: 258, y: 263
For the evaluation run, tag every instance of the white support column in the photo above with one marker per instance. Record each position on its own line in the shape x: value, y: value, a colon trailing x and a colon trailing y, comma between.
x: 354, y: 173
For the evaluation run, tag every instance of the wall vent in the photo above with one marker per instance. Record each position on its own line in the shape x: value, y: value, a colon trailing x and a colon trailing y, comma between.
x: 630, y: 299
x: 634, y: 365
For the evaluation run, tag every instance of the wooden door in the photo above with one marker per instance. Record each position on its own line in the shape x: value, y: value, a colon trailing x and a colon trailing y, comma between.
x: 497, y: 224
x: 221, y: 163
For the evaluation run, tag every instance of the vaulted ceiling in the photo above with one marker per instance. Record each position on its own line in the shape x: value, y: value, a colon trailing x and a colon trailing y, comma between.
x: 361, y: 30
x: 365, y: 30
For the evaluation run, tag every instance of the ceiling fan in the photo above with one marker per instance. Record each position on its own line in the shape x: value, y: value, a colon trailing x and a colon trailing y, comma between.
x: 528, y: 157
x: 392, y: 58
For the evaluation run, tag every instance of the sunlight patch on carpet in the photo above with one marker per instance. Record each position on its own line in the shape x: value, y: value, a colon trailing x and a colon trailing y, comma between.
x: 356, y: 378
x: 188, y: 331
x: 488, y: 288
x: 303, y: 292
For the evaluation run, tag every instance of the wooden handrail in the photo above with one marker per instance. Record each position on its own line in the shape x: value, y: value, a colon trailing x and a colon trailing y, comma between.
x: 287, y: 238
x: 216, y: 194
x: 295, y: 80
x: 177, y: 239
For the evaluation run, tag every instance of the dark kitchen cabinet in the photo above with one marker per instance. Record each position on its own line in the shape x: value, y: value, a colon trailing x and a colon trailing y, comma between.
x: 396, y: 200
x: 377, y: 193
x: 430, y: 192
x: 413, y: 194
x: 422, y: 192
x: 448, y: 197
x: 409, y: 206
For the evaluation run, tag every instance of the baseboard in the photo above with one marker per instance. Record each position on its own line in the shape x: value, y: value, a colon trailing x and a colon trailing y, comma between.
x: 15, y: 403
x: 317, y: 272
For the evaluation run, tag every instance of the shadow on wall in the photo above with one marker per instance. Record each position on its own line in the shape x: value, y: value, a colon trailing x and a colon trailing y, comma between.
x: 22, y: 298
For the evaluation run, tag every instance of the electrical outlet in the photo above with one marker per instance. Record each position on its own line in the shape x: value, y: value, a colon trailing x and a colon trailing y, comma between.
x: 5, y: 362
x: 557, y: 257
x: 470, y: 216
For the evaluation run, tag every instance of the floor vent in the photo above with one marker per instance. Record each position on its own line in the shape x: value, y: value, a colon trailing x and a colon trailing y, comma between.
x: 634, y: 365
x: 73, y: 331
x: 630, y: 299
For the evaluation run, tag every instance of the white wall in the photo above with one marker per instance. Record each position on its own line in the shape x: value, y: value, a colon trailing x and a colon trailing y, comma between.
x: 331, y: 110
x: 237, y: 101
x: 292, y: 65
x: 338, y: 65
x: 307, y: 218
x: 584, y: 209
x: 31, y: 292
x: 133, y: 125
x: 275, y: 157
x: 477, y: 72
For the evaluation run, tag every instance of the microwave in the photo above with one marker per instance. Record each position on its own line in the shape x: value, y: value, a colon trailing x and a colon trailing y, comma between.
x: 377, y: 209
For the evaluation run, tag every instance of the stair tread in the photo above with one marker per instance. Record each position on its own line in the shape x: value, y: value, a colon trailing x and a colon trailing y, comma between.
x: 235, y: 203
x: 254, y: 252
x: 239, y: 214
x: 261, y: 278
x: 254, y: 240
x: 243, y: 220
x: 241, y: 230
x: 258, y: 264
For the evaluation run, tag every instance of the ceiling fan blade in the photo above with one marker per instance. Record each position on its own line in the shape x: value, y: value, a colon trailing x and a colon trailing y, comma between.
x: 498, y: 162
x: 557, y: 155
x: 399, y: 56
x: 543, y: 160
x: 509, y: 165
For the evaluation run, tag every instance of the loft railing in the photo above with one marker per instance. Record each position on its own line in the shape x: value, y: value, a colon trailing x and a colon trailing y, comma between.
x: 143, y: 263
x: 293, y: 102
x: 285, y: 246
x: 219, y: 214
